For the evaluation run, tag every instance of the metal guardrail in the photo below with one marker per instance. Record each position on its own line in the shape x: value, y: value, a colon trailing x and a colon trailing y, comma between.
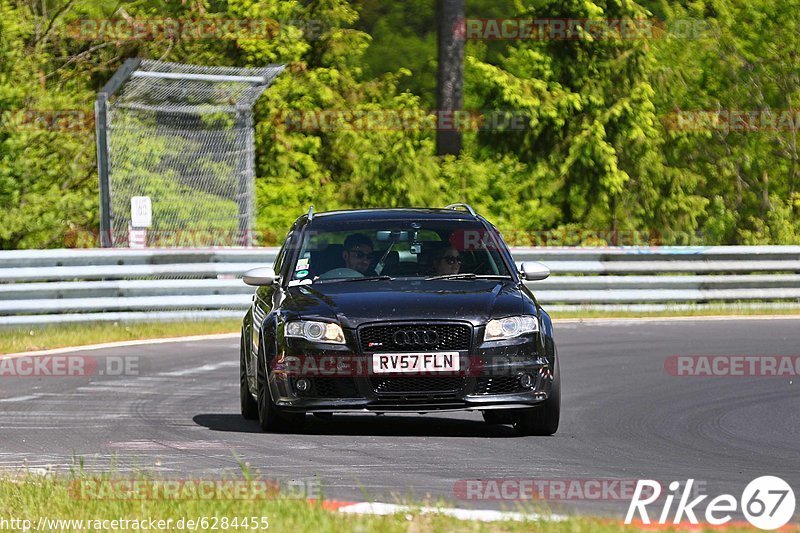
x: 49, y: 286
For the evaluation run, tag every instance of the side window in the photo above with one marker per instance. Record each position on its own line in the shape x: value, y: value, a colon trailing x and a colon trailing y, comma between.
x: 283, y: 253
x: 500, y: 247
x: 279, y: 258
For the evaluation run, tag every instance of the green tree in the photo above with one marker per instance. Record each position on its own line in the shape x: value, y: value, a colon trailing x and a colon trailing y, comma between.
x: 594, y: 135
x: 745, y: 59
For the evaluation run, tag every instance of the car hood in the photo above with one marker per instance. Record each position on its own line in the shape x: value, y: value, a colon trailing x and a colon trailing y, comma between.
x: 354, y: 303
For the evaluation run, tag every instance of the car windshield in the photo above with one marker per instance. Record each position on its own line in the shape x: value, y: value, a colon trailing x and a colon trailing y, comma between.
x: 386, y: 250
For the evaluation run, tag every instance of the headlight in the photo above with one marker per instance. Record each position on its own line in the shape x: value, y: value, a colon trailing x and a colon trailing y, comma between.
x: 508, y: 328
x: 315, y: 331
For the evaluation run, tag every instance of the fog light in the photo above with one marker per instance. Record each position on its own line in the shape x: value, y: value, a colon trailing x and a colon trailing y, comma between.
x: 526, y: 380
x: 303, y: 384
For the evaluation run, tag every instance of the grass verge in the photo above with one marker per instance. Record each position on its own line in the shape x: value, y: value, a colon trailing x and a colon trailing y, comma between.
x: 31, y: 338
x: 36, y: 498
x: 710, y: 311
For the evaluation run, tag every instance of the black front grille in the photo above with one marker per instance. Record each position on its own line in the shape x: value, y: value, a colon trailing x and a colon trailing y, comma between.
x: 415, y: 337
x: 497, y: 385
x: 333, y: 388
x: 417, y: 385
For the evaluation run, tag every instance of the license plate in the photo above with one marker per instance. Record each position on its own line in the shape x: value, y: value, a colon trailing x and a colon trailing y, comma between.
x: 386, y: 363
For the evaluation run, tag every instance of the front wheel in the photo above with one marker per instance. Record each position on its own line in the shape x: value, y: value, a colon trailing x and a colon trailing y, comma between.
x: 544, y: 419
x: 269, y: 417
x: 248, y: 403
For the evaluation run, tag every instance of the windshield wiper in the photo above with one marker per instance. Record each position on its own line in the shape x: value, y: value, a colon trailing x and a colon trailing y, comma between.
x: 468, y: 275
x: 368, y: 278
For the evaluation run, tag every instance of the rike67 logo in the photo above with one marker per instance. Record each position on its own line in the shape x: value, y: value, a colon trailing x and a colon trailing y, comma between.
x: 767, y: 502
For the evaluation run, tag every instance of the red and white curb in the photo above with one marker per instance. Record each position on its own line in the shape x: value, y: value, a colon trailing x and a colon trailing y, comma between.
x: 487, y: 515
x: 481, y: 515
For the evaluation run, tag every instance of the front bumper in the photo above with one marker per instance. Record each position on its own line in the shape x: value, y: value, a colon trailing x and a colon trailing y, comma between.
x: 415, y: 405
x: 489, y: 379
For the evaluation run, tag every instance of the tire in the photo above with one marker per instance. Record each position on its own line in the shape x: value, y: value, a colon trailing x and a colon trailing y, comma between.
x: 270, y: 419
x: 248, y: 403
x: 544, y: 419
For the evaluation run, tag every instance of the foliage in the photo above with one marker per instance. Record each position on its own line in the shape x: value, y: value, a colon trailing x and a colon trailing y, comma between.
x: 597, y: 151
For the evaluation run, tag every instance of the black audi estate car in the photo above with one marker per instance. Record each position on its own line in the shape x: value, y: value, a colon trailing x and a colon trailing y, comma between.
x: 398, y: 310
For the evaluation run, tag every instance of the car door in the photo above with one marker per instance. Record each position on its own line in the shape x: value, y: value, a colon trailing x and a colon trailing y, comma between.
x: 265, y: 299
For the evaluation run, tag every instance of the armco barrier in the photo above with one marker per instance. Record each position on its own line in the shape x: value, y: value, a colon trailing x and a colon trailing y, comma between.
x: 49, y: 286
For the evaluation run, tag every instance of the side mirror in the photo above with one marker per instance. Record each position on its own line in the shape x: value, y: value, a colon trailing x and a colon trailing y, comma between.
x: 260, y: 276
x: 534, y: 271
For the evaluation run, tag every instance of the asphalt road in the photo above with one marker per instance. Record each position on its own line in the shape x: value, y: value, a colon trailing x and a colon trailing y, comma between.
x: 624, y: 418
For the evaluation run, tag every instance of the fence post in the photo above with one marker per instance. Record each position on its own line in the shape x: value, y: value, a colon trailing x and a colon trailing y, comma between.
x: 101, y: 131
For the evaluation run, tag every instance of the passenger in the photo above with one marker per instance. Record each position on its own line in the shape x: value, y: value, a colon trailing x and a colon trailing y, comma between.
x: 447, y: 260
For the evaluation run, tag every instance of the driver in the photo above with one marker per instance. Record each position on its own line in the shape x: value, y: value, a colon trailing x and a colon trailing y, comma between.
x: 357, y: 253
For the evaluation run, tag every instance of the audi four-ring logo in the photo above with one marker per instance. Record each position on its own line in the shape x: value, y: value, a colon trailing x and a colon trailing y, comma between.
x: 416, y: 337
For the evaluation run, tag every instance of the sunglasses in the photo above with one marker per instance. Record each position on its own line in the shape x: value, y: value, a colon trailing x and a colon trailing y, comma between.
x: 358, y: 253
x: 451, y: 259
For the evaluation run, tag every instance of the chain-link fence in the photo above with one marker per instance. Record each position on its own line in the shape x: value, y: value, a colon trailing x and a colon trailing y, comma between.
x: 180, y: 143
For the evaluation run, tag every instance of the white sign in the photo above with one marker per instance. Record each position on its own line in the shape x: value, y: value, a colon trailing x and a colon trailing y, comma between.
x: 141, y: 212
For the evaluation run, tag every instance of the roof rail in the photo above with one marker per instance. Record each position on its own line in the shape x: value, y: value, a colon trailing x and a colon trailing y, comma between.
x: 310, y: 213
x: 467, y: 207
